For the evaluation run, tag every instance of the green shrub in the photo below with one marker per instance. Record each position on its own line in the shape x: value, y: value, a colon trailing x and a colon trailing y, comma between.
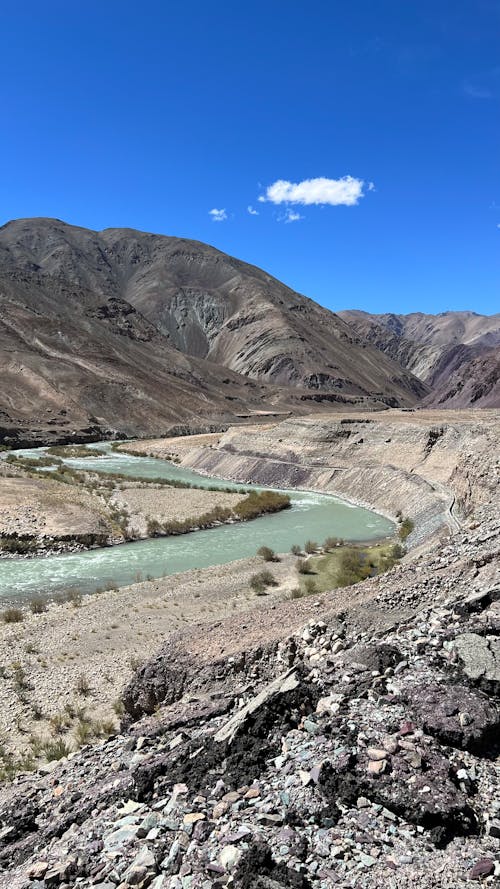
x: 353, y: 567
x: 295, y: 549
x: 12, y: 765
x: 330, y: 543
x: 19, y: 677
x: 154, y: 528
x: 105, y: 727
x: 268, y: 578
x: 74, y: 451
x: 74, y: 597
x: 82, y: 686
x: 267, y: 554
x: 36, y: 711
x: 71, y: 596
x: 119, y: 707
x: 12, y: 616
x: 20, y: 546
x: 31, y: 648
x: 55, y: 749
x: 59, y: 723
x: 397, y: 551
x: 405, y: 528
x: 303, y: 566
x: 38, y: 606
x: 310, y: 546
x: 310, y: 586
x: 83, y: 732
x: 259, y: 582
x: 261, y: 503
x: 389, y: 559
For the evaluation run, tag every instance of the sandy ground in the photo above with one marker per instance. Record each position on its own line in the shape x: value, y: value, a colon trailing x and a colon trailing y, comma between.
x: 39, y: 506
x: 109, y: 633
x: 178, y: 446
x: 164, y: 504
x: 171, y: 447
x: 48, y: 508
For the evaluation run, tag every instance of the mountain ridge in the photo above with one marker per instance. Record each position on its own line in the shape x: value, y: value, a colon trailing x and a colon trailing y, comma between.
x: 137, y: 330
x: 455, y: 353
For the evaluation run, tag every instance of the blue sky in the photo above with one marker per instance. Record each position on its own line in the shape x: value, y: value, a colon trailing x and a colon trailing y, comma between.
x: 152, y: 114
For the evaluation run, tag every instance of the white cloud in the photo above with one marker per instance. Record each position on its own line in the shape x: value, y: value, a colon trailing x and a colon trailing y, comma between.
x: 218, y: 215
x: 347, y: 190
x: 290, y: 216
x: 252, y: 211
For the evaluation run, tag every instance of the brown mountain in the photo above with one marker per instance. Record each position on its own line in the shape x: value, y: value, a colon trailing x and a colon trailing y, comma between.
x: 457, y: 354
x: 132, y: 331
x: 467, y: 375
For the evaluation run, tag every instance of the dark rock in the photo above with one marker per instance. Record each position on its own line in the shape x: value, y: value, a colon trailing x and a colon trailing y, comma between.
x: 457, y: 715
x: 482, y: 868
x: 431, y: 800
x: 257, y: 866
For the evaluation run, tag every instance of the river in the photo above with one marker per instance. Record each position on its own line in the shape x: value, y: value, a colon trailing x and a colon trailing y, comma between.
x: 313, y: 516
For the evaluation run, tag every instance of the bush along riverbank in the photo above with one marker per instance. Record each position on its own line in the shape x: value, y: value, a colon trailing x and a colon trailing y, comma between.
x: 35, y: 467
x: 12, y: 545
x: 255, y: 504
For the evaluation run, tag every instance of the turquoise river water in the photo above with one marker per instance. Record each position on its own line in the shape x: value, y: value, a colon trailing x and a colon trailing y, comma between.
x: 313, y: 516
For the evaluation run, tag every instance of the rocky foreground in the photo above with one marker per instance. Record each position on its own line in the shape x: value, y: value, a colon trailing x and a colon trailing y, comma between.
x: 359, y: 750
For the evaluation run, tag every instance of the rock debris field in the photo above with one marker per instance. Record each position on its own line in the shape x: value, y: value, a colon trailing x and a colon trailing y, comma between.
x: 357, y: 751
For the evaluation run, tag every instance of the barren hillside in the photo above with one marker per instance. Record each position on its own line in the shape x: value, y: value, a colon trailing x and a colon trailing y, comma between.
x: 455, y: 353
x: 129, y: 330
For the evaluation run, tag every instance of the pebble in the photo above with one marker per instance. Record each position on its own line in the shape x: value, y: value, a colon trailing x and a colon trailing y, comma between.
x: 229, y: 857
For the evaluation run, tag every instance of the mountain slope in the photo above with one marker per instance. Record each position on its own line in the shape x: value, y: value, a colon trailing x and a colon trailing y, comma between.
x: 70, y: 360
x: 467, y: 375
x: 455, y: 353
x: 209, y: 306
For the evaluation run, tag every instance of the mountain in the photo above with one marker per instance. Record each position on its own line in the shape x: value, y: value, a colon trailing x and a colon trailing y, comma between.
x: 467, y: 376
x: 457, y: 354
x: 131, y: 331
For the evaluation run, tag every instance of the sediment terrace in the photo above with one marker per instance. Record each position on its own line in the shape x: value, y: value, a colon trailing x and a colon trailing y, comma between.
x: 432, y: 466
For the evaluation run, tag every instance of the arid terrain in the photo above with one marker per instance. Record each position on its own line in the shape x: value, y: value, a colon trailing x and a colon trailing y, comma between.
x: 122, y: 332
x: 148, y: 331
x: 250, y: 445
x: 456, y: 354
x: 81, y: 509
x: 345, y: 738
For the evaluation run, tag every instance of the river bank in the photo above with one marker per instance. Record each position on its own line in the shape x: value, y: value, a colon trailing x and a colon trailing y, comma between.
x: 40, y: 516
x: 72, y: 657
x: 312, y: 516
x: 433, y: 466
x: 104, y: 636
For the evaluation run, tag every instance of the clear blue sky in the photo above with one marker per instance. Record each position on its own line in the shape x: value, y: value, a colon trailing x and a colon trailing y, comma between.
x: 150, y: 114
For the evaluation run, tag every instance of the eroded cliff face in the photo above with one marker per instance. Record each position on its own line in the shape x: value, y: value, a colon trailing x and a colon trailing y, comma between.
x: 420, y: 465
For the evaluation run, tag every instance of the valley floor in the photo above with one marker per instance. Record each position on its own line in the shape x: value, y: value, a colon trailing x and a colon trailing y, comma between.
x: 103, y: 637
